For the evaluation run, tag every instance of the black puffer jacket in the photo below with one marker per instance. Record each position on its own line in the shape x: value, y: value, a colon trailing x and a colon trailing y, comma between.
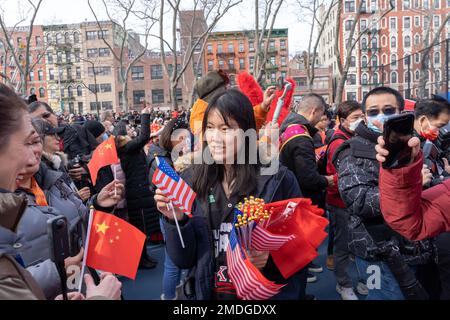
x: 78, y: 141
x: 358, y: 172
x: 298, y: 155
x: 140, y: 202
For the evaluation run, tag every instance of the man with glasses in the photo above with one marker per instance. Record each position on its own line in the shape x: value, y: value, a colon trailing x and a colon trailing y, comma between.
x: 381, y: 253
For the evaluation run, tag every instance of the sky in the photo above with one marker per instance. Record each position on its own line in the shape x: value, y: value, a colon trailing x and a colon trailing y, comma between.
x: 238, y: 18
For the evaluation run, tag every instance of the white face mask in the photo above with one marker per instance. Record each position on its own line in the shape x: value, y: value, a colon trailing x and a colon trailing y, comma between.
x: 353, y: 125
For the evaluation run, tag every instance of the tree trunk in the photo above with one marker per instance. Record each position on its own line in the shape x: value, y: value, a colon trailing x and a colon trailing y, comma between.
x: 125, y: 95
x: 173, y: 96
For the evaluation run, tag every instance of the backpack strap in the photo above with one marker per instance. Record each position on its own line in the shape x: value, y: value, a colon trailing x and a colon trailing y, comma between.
x: 293, y: 131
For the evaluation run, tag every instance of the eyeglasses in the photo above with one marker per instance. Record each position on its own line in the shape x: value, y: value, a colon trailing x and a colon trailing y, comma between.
x: 388, y: 111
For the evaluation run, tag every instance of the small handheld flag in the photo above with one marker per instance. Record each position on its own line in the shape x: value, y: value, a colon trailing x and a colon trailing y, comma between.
x: 104, y: 155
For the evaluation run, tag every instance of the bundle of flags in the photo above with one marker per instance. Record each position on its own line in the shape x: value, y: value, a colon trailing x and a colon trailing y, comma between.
x: 290, y: 230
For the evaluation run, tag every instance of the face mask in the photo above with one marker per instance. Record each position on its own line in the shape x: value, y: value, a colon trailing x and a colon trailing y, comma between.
x: 353, y: 125
x: 105, y: 136
x: 430, y: 134
x: 381, y: 118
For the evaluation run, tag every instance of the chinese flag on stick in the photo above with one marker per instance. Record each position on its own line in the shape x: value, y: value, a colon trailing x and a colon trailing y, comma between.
x: 114, y: 245
x: 104, y: 155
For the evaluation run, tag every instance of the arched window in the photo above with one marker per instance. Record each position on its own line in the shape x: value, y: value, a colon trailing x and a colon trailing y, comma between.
x: 394, y: 60
x: 353, y: 61
x: 364, y: 43
x: 375, y: 61
x: 70, y: 91
x: 49, y: 38
x: 393, y: 42
x: 374, y: 43
x: 437, y: 76
x: 32, y: 91
x: 416, y: 40
x: 437, y: 57
x: 364, y: 62
x: 417, y: 75
x: 59, y: 38
x: 407, y: 76
x: 394, y: 77
x: 42, y: 92
x: 79, y: 91
x: 364, y: 79
x: 375, y: 78
x: 67, y: 37
x: 407, y: 41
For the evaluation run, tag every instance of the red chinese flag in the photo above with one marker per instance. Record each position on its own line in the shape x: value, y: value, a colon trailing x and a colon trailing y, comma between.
x: 114, y: 245
x: 308, y: 226
x: 104, y: 155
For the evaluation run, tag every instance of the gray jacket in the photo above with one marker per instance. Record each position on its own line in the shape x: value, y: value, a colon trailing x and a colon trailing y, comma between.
x: 33, y: 228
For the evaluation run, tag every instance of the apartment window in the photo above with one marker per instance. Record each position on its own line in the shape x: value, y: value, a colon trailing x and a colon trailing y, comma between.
x: 138, y: 96
x: 364, y: 79
x: 437, y: 58
x: 394, y: 60
x: 437, y: 21
x: 38, y: 41
x: 231, y: 64
x: 417, y: 58
x: 179, y: 94
x: 351, y: 79
x: 79, y: 91
x: 156, y: 72
x: 272, y: 45
x: 417, y: 75
x: 100, y: 71
x: 107, y: 105
x: 170, y: 68
x: 282, y: 44
x: 349, y: 6
x: 272, y: 61
x: 103, y: 52
x: 210, y: 65
x: 221, y: 64
x: 283, y: 61
x: 92, y: 53
x: 374, y: 61
x: 103, y: 34
x: 70, y: 91
x: 231, y: 47
x: 363, y: 25
x: 407, y: 76
x: 437, y: 75
x: 80, y: 108
x: 348, y: 25
x: 42, y: 92
x: 353, y: 61
x: 67, y: 37
x: 71, y: 107
x: 69, y: 73
x: 68, y: 57
x: 137, y: 73
x: 94, y: 106
x: 158, y: 96
x: 364, y: 43
x: 375, y: 78
x: 364, y: 62
x: 394, y: 77
x: 219, y: 48
x: 374, y: 43
x: 241, y: 47
x: 59, y: 57
x: 241, y: 64
x: 251, y: 46
x: 49, y: 38
x: 94, y: 88
x: 41, y: 75
x: 76, y: 37
x: 50, y: 57
x: 393, y: 42
x: 407, y: 42
x: 91, y: 35
x: 417, y: 21
x: 209, y: 48
x: 251, y: 62
x: 51, y: 74
x: 59, y: 38
x: 436, y: 4
x: 105, y: 87
x: 416, y: 40
x: 77, y: 55
x: 407, y: 23
x: 393, y: 22
x: 31, y: 76
x: 406, y: 4
x: 351, y: 96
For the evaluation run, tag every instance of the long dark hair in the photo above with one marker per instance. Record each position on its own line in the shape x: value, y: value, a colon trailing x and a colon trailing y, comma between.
x: 231, y: 104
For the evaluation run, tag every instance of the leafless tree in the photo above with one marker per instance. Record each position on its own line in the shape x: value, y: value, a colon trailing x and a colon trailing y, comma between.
x: 95, y: 91
x: 214, y: 11
x: 312, y: 9
x: 263, y: 33
x: 344, y: 64
x: 26, y: 67
x: 130, y: 50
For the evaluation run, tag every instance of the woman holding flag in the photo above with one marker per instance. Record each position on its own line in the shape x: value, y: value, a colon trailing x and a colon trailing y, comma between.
x: 220, y: 187
x: 140, y: 202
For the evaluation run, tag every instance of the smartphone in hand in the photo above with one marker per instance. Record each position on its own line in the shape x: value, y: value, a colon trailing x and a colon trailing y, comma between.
x: 398, y: 130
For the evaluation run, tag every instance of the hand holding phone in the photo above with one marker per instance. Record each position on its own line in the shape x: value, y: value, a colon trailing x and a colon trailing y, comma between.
x: 398, y: 130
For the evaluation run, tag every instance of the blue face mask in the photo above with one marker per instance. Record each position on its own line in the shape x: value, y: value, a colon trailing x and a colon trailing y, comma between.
x: 105, y: 136
x: 381, y: 118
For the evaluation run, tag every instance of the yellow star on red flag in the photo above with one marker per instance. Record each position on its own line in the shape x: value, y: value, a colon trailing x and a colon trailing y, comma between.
x: 102, y: 228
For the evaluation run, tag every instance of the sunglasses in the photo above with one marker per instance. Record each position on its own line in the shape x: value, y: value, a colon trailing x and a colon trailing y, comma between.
x: 388, y: 111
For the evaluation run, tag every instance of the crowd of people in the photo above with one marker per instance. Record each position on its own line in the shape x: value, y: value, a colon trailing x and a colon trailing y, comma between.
x: 396, y: 220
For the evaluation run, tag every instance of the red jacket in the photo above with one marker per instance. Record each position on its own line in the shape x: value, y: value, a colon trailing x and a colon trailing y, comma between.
x: 414, y: 214
x: 333, y: 196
